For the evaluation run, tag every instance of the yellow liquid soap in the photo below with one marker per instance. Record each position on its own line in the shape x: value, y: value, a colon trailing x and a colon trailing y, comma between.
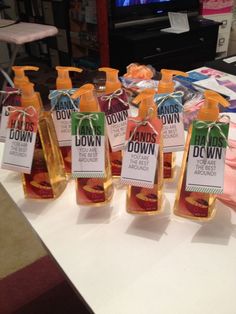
x: 47, y: 179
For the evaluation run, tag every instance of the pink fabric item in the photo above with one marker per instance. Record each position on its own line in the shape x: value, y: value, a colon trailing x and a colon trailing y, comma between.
x: 22, y: 33
x: 229, y: 195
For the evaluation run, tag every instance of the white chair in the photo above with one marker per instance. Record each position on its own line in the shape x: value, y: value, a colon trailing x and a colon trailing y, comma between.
x: 22, y: 33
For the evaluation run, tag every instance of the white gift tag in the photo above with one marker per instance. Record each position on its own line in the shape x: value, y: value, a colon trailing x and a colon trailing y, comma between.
x: 206, y: 161
x: 63, y: 106
x: 170, y: 112
x: 140, y: 154
x: 116, y: 109
x: 3, y: 125
x: 20, y: 139
x: 88, y: 145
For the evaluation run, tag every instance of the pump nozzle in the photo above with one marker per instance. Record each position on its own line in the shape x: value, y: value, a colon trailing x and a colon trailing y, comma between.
x: 166, y: 84
x: 209, y: 111
x: 29, y: 97
x: 88, y: 100
x: 20, y: 77
x: 112, y: 81
x: 63, y: 79
x: 146, y: 100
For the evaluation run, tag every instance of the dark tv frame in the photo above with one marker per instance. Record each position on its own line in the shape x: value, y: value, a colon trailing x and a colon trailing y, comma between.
x: 150, y: 13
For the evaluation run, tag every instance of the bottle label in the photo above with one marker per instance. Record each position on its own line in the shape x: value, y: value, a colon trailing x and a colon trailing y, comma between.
x: 90, y: 190
x: 141, y: 152
x: 88, y: 144
x: 116, y: 109
x: 142, y: 199
x: 170, y: 111
x: 193, y: 204
x: 206, y: 158
x: 20, y: 139
x: 10, y: 98
x: 37, y: 184
x: 62, y: 106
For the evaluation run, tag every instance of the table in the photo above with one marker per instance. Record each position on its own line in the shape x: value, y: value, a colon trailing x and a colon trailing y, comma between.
x: 125, y: 264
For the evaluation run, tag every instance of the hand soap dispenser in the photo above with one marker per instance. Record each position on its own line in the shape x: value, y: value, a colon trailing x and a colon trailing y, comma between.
x: 204, y: 159
x: 142, y: 167
x: 90, y: 155
x: 167, y: 86
x: 62, y: 106
x: 47, y: 179
x: 114, y: 103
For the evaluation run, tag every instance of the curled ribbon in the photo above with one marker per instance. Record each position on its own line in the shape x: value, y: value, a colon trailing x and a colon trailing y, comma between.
x: 114, y: 95
x: 57, y: 94
x: 161, y: 100
x: 90, y: 117
x: 210, y: 126
x: 22, y: 115
x: 140, y: 123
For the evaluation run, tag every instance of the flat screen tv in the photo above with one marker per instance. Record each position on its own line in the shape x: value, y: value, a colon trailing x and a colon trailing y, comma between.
x: 132, y: 12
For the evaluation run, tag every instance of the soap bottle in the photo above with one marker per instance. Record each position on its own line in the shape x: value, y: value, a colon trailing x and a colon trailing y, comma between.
x: 198, y: 205
x: 19, y: 74
x: 112, y: 84
x: 140, y: 200
x: 63, y: 82
x: 93, y: 191
x: 167, y: 86
x: 47, y: 179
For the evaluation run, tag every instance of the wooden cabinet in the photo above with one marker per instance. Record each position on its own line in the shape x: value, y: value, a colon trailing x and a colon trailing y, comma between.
x: 165, y: 50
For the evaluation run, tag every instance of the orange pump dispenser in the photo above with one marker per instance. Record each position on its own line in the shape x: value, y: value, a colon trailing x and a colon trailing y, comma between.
x: 47, y: 179
x: 198, y: 205
x: 20, y: 77
x: 112, y: 81
x: 63, y: 79
x: 166, y: 86
x: 88, y: 100
x: 145, y: 98
x: 147, y: 201
x: 209, y: 111
x: 93, y: 191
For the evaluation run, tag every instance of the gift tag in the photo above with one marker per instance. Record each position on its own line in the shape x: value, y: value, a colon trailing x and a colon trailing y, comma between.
x: 88, y: 144
x: 116, y: 109
x: 206, y: 158
x: 170, y: 111
x: 62, y: 107
x: 140, y: 154
x: 20, y: 139
x: 10, y: 98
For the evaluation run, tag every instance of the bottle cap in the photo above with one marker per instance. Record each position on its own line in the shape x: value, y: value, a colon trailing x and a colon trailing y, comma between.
x: 20, y: 77
x: 112, y: 81
x: 166, y: 84
x: 88, y: 100
x: 63, y: 79
x: 209, y: 111
x: 146, y: 100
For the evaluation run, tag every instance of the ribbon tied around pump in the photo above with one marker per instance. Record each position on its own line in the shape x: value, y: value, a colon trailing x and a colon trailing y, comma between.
x: 141, y: 123
x: 162, y: 99
x: 90, y: 117
x: 56, y: 95
x: 210, y: 125
x: 115, y: 95
x: 23, y: 113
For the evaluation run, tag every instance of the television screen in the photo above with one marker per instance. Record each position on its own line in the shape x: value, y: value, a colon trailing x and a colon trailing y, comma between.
x: 126, y: 3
